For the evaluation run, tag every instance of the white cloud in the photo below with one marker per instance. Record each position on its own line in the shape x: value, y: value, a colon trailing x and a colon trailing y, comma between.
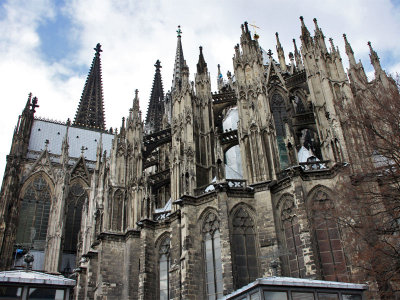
x: 134, y: 34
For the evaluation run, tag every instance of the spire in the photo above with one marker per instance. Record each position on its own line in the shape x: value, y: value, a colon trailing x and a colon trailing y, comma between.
x: 297, y: 57
x: 305, y: 34
x: 319, y: 37
x: 281, y: 53
x: 201, y: 65
x: 349, y: 51
x: 90, y: 111
x: 374, y: 59
x: 179, y: 61
x: 156, y: 108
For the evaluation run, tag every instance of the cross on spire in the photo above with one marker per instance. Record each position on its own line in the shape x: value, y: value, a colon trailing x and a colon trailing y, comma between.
x: 34, y: 104
x: 179, y: 31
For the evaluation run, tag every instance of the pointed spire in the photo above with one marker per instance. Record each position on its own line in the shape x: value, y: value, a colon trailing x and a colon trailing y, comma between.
x: 305, y: 34
x: 281, y: 54
x: 374, y: 59
x: 319, y: 37
x: 179, y: 61
x: 349, y: 51
x: 90, y: 112
x: 297, y: 57
x: 28, y: 103
x: 156, y: 108
x: 201, y: 65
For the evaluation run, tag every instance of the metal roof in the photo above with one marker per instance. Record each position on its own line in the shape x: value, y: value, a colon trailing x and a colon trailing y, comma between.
x: 297, y: 282
x: 33, y: 277
x: 77, y: 138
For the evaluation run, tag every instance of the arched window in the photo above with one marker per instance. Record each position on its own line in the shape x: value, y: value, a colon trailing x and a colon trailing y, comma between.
x: 116, y: 211
x: 293, y: 256
x: 212, y: 257
x: 74, y: 206
x: 34, y: 215
x: 164, y: 263
x: 327, y: 235
x: 278, y: 109
x: 244, y: 248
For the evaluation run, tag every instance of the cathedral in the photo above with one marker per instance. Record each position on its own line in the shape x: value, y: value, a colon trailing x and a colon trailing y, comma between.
x: 206, y: 193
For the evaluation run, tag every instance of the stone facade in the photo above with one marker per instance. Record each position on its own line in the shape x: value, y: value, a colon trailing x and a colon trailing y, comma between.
x: 150, y: 212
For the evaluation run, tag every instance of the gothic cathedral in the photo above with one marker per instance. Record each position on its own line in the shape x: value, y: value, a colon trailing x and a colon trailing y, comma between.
x: 210, y: 191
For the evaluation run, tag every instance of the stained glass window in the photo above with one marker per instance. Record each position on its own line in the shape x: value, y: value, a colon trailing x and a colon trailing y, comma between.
x: 34, y: 215
x: 332, y: 260
x: 74, y: 205
x: 244, y: 249
x: 278, y: 109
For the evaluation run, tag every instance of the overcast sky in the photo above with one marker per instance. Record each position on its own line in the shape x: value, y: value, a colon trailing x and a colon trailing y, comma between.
x: 46, y: 47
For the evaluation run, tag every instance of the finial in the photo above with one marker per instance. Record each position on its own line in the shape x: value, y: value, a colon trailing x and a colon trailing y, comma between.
x: 46, y: 143
x: 201, y: 49
x: 83, y: 148
x: 158, y: 65
x: 245, y: 26
x: 301, y: 19
x: 332, y: 45
x: 315, y: 22
x: 98, y: 49
x: 136, y: 93
x: 269, y: 53
x: 291, y: 56
x: 179, y: 31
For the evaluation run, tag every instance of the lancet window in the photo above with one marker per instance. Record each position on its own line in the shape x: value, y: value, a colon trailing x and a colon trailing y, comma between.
x: 164, y: 263
x: 34, y: 214
x: 212, y: 257
x: 116, y: 211
x: 244, y: 248
x: 327, y: 235
x: 278, y: 109
x: 75, y: 201
x: 293, y: 254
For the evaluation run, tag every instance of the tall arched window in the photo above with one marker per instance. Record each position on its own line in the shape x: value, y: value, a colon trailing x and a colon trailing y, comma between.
x: 116, y: 211
x: 34, y: 215
x: 74, y: 205
x: 293, y: 256
x: 164, y: 262
x: 244, y: 248
x: 327, y: 235
x: 278, y: 109
x: 212, y: 257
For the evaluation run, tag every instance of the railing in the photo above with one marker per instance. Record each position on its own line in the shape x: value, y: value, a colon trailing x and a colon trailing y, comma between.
x: 231, y: 183
x: 224, y: 97
x: 236, y: 183
x: 161, y: 215
x: 315, y: 165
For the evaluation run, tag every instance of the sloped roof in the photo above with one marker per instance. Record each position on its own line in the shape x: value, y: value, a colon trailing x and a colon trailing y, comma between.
x: 33, y: 277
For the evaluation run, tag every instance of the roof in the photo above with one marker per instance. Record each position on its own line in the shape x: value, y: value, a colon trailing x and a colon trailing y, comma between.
x: 32, y: 277
x: 297, y: 282
x: 77, y: 138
